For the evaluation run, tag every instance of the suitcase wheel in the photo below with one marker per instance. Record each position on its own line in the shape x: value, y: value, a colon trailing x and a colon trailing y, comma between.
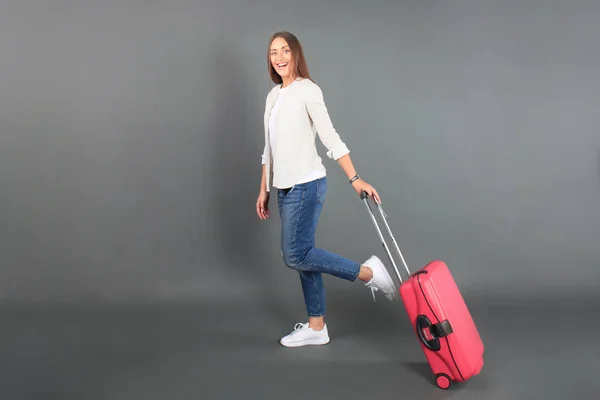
x: 443, y: 381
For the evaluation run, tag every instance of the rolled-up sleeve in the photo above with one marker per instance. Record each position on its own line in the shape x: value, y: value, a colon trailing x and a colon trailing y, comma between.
x: 317, y: 110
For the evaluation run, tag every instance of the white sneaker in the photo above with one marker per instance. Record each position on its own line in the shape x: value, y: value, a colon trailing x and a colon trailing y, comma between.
x: 303, y: 336
x: 381, y: 279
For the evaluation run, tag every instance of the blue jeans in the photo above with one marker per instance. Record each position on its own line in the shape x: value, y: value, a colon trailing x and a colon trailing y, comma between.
x: 299, y: 208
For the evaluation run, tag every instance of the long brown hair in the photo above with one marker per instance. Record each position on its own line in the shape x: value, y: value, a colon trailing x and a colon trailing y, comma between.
x: 300, y: 67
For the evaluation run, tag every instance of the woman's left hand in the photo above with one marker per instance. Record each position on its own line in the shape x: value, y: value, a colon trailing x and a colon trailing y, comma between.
x: 362, y: 186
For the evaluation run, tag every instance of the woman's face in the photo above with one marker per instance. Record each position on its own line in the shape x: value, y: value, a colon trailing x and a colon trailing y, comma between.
x: 281, y: 57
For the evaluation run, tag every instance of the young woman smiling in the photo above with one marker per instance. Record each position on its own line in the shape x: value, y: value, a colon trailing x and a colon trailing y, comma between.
x: 295, y: 113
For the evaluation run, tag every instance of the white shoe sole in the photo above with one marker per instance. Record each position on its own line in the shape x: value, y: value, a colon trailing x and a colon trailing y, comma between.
x: 306, y: 343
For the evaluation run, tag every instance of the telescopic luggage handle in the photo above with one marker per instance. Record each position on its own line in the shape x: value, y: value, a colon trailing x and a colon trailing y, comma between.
x: 364, y: 196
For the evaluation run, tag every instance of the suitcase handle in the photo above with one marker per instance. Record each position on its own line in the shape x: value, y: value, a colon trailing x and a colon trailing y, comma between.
x: 424, y: 327
x: 430, y: 334
x: 364, y: 196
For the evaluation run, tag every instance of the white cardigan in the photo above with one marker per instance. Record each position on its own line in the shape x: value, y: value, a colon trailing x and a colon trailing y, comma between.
x: 300, y: 118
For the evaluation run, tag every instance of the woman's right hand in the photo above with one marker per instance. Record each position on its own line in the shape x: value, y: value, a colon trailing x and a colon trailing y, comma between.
x: 262, y: 205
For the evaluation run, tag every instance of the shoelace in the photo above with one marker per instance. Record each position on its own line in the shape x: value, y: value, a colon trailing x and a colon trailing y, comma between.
x: 373, y: 290
x: 298, y: 327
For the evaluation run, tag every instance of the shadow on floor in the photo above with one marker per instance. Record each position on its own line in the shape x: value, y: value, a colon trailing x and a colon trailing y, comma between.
x: 421, y: 369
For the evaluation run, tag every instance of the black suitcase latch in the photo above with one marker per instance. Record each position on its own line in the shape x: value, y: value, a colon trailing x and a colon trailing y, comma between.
x: 442, y: 329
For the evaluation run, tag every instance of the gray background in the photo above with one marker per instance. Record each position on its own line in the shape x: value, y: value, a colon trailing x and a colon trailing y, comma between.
x: 131, y: 133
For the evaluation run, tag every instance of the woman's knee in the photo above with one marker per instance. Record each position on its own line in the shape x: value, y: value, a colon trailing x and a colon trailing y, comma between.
x: 293, y: 259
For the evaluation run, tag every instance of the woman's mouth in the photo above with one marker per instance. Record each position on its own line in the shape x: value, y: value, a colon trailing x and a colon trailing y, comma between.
x: 282, y: 65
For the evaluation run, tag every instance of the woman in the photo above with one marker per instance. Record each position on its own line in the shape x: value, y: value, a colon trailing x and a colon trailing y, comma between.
x: 295, y: 112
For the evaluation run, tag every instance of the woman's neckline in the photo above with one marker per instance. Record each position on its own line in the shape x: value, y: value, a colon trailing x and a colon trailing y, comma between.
x: 294, y: 81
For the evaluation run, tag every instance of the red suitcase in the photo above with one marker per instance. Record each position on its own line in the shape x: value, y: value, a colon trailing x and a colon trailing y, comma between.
x: 439, y: 315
